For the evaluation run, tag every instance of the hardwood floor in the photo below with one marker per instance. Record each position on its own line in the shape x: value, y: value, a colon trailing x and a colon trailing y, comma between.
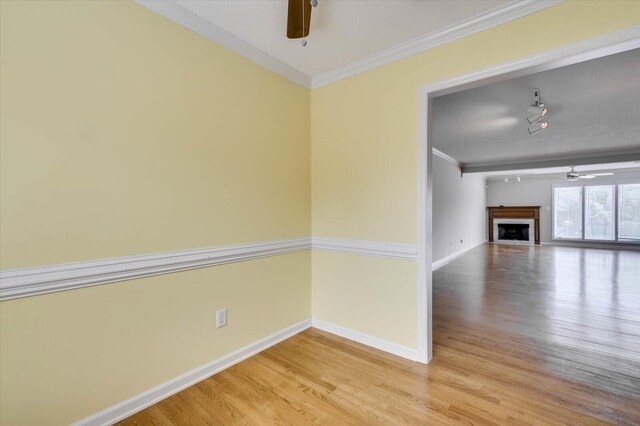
x: 523, y: 335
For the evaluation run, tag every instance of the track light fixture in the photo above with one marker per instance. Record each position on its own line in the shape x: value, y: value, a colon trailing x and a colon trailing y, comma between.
x: 537, y: 113
x: 538, y: 126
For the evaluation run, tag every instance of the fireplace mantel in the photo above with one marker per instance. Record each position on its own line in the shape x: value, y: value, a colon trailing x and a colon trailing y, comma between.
x: 515, y: 212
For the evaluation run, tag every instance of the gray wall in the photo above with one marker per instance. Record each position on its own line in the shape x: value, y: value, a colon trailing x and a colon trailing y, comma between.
x: 527, y: 192
x: 459, y: 209
x: 537, y: 192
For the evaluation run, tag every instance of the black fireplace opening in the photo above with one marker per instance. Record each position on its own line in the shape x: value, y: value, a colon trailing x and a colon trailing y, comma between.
x: 513, y: 231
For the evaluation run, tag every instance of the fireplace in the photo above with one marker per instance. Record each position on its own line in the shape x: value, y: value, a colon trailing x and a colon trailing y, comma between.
x: 513, y: 231
x: 514, y: 224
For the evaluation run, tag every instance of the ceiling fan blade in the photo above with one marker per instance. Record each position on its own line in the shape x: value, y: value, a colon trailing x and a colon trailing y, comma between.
x: 587, y: 176
x: 295, y: 23
x: 600, y: 174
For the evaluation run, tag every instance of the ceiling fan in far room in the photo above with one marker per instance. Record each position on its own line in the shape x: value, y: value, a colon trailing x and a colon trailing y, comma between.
x: 299, y: 19
x: 573, y: 176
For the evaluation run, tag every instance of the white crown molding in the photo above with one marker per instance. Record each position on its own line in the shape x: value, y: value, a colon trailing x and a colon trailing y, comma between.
x: 555, y: 161
x: 446, y: 157
x: 145, y: 399
x: 367, y: 248
x: 16, y: 283
x: 172, y: 10
x: 484, y: 21
x: 366, y: 339
x: 513, y: 10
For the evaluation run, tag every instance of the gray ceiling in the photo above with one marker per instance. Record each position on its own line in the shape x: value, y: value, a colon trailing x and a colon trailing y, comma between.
x: 594, y: 111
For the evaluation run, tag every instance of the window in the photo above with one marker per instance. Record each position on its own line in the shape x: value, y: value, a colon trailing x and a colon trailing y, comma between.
x: 597, y: 212
x: 599, y: 220
x: 568, y: 212
x: 629, y: 211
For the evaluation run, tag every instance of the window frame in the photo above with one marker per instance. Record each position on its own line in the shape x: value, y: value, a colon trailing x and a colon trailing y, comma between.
x: 614, y: 201
x: 553, y: 212
x: 617, y: 200
x: 616, y: 207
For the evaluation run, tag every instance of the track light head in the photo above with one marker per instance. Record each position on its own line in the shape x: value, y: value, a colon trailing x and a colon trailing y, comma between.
x: 538, y: 126
x: 537, y: 113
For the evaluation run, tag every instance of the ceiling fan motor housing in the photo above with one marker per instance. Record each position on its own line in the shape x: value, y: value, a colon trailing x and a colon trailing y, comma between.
x: 298, y: 18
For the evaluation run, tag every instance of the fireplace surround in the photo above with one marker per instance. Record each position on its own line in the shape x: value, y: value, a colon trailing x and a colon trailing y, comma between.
x: 514, y: 224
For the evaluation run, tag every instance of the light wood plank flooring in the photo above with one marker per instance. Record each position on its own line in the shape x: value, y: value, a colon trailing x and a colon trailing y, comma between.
x: 523, y: 335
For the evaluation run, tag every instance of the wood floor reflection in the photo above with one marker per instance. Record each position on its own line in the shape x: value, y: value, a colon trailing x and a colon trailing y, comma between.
x: 523, y: 335
x: 559, y: 324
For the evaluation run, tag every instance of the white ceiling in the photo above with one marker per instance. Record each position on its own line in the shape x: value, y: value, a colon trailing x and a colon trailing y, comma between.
x: 594, y: 111
x: 342, y: 31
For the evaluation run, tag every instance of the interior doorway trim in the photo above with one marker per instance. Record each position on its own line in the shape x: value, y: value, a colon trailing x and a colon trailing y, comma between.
x: 608, y: 44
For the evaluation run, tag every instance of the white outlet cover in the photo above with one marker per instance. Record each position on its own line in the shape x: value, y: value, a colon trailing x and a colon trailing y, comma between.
x: 221, y: 318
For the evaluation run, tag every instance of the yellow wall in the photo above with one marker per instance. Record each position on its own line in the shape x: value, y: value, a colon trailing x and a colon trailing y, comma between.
x: 124, y: 133
x: 364, y: 133
x: 354, y: 291
x: 68, y: 355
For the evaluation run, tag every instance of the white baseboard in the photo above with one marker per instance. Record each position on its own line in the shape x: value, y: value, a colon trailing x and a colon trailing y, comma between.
x: 598, y: 245
x: 365, y: 339
x: 147, y: 398
x: 141, y: 401
x: 438, y: 263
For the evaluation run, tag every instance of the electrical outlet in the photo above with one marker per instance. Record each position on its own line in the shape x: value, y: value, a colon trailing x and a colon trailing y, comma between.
x: 221, y: 318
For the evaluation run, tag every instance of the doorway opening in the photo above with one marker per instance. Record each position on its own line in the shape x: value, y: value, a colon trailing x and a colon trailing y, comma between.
x: 599, y: 47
